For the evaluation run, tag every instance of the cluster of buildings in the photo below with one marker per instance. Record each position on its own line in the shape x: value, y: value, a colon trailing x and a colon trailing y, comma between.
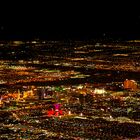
x: 44, y: 93
x: 81, y: 101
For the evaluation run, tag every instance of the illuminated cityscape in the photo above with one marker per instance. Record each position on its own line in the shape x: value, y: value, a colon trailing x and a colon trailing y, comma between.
x: 73, y: 90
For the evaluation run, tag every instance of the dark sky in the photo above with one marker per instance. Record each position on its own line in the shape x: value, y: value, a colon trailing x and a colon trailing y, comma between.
x: 64, y: 24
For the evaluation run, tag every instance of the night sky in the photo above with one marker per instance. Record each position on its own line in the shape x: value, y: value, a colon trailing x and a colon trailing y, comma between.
x: 69, y: 24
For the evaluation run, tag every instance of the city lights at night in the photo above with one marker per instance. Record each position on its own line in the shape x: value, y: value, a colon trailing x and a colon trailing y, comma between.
x: 82, y: 83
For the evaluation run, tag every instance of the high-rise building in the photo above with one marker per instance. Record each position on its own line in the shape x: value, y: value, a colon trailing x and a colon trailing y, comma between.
x: 41, y: 93
x: 1, y: 102
x: 18, y: 95
x: 130, y: 84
